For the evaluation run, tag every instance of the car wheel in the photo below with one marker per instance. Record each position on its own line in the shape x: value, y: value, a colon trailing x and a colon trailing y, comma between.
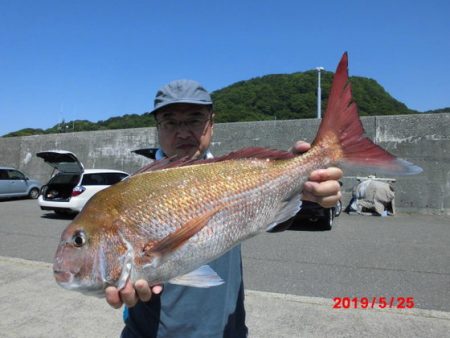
x: 34, y: 193
x: 327, y: 220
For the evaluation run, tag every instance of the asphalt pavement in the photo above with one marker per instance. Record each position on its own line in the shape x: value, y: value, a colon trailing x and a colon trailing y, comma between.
x: 32, y: 305
x: 287, y: 295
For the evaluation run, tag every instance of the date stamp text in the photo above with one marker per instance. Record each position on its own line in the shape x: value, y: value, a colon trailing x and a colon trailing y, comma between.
x: 373, y: 302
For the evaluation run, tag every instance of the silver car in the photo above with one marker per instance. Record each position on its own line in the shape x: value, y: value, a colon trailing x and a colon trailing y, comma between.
x: 14, y: 183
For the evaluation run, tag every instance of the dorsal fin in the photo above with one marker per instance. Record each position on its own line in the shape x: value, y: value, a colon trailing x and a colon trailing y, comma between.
x: 252, y: 152
x: 244, y: 153
x: 165, y: 163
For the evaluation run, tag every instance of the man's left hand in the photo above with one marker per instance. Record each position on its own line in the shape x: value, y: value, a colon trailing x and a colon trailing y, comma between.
x: 323, y: 186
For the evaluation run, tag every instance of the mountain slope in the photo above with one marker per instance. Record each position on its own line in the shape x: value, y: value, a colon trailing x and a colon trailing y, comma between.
x: 276, y: 96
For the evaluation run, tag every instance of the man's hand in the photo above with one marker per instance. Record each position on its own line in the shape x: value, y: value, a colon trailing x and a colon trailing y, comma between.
x: 323, y: 186
x: 130, y: 294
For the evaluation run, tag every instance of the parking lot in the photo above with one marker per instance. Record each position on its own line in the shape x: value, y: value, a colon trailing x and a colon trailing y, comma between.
x: 362, y: 256
x: 302, y: 269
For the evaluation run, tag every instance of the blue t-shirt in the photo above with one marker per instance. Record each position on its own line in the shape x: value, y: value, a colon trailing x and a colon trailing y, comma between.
x: 182, y: 311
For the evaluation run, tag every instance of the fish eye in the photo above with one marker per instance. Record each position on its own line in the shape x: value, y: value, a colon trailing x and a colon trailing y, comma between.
x: 79, y: 239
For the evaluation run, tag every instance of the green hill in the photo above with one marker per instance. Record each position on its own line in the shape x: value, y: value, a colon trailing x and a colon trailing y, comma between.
x: 277, y: 96
x: 293, y: 96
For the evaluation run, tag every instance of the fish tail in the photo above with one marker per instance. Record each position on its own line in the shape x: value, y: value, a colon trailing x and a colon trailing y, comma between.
x: 341, y: 131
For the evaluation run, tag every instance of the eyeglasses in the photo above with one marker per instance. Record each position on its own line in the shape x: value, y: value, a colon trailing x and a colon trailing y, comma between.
x: 193, y: 124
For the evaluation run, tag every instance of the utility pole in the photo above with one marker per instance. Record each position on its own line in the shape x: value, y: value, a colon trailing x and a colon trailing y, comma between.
x: 319, y: 93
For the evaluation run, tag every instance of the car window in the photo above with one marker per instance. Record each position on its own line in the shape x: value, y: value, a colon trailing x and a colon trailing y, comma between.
x: 3, y: 175
x: 15, y: 175
x: 113, y: 178
x: 93, y: 179
x: 102, y: 178
x: 65, y: 179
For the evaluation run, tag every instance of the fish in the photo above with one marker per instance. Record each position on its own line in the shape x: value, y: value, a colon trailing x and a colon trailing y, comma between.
x: 169, y: 219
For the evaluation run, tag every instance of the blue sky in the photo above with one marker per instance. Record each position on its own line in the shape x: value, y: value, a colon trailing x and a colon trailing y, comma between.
x: 62, y: 59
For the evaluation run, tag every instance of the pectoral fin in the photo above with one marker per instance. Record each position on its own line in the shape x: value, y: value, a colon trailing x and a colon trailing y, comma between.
x: 287, y: 210
x: 203, y: 277
x: 180, y: 236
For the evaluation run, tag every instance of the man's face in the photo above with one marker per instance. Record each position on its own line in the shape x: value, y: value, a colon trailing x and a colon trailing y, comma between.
x: 184, y: 129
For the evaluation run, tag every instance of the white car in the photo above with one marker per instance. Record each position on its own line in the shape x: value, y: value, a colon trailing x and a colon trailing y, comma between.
x: 72, y: 186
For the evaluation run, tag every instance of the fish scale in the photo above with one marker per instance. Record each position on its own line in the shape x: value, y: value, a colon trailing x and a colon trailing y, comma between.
x: 231, y: 224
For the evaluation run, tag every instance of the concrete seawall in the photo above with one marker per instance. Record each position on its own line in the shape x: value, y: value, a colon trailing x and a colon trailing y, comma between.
x: 421, y: 139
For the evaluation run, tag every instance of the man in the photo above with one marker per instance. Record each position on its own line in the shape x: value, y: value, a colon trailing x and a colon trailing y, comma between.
x: 184, y: 117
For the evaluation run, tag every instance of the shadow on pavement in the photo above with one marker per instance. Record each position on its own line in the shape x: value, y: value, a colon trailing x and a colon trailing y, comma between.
x: 51, y: 215
x: 308, y: 226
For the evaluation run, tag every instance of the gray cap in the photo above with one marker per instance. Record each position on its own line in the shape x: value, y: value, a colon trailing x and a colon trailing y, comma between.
x: 181, y: 91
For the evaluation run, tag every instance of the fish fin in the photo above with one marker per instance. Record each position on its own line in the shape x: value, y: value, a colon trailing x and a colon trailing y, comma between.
x: 244, y: 153
x: 180, y: 236
x: 252, y: 152
x: 342, y: 131
x: 287, y: 210
x: 203, y: 277
x: 165, y: 163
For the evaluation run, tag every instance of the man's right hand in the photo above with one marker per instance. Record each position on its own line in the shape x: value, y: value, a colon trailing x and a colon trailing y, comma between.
x: 130, y: 294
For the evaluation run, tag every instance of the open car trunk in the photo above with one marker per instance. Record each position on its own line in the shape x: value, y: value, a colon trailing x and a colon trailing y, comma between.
x: 66, y: 174
x: 59, y: 188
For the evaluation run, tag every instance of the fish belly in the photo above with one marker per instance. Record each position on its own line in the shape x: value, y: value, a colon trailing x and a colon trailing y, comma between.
x: 241, y: 215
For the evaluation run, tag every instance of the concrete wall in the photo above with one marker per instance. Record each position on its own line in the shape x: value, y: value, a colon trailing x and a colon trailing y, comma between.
x: 421, y: 139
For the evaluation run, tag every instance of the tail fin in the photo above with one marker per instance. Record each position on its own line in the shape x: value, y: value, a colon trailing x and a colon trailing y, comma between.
x: 342, y: 130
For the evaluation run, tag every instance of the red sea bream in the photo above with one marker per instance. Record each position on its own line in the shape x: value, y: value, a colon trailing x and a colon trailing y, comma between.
x: 166, y: 222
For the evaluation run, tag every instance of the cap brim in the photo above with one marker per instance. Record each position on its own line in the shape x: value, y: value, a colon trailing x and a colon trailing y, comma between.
x: 200, y: 103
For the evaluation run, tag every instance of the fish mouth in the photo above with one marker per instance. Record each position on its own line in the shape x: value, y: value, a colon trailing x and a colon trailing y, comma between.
x: 62, y: 277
